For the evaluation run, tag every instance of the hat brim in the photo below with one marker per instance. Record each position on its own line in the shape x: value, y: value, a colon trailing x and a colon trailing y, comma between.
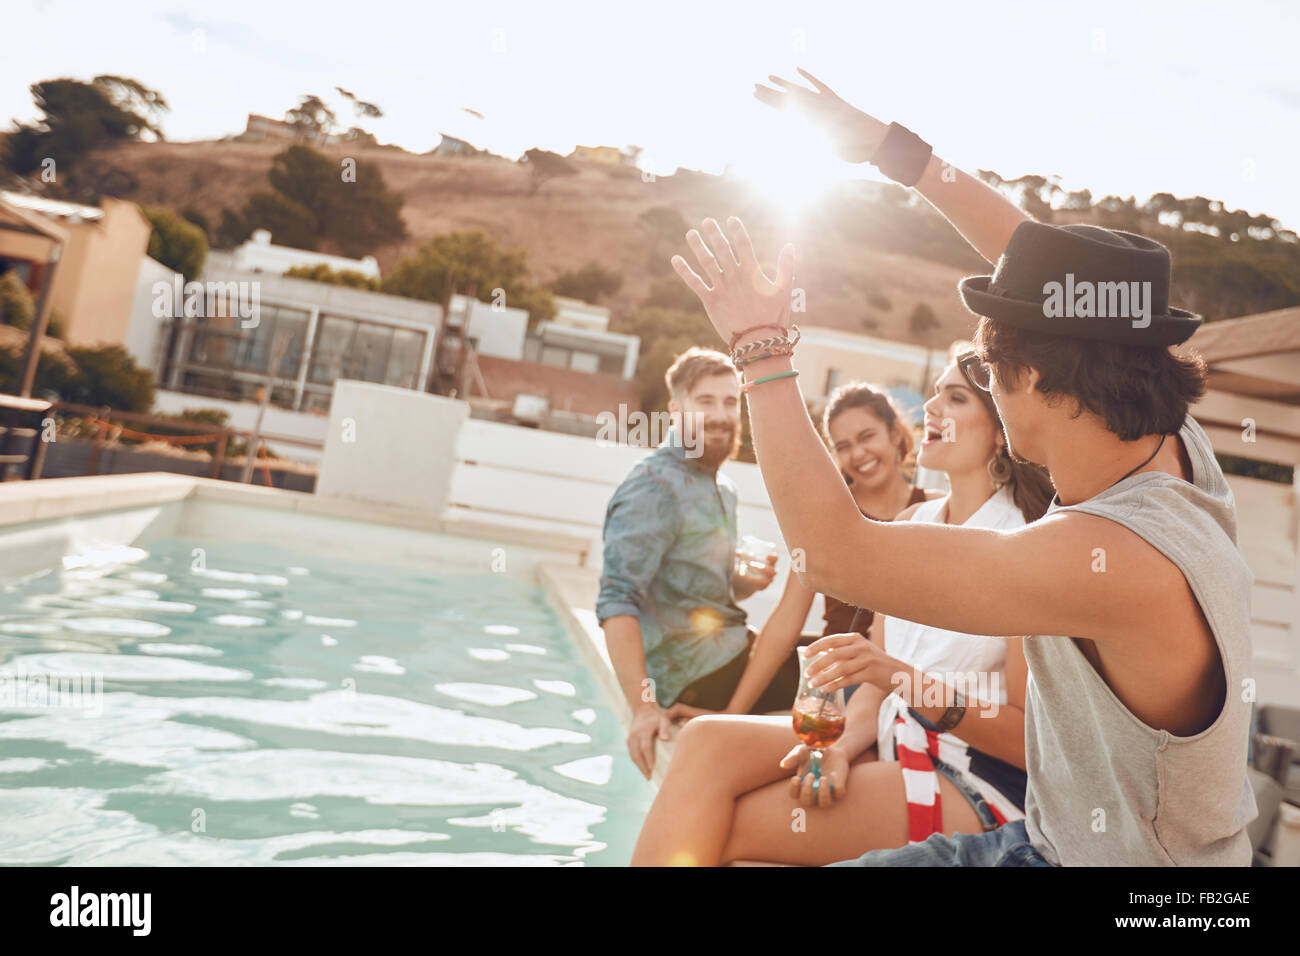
x: 1173, y: 327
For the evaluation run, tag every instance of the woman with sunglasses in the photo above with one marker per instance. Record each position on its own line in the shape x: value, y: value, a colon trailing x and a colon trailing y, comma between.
x: 724, y: 797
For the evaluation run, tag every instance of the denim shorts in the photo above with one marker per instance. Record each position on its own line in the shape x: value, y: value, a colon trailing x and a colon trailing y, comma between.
x: 1008, y: 845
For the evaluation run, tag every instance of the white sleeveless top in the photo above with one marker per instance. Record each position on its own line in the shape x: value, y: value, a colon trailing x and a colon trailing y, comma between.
x: 935, y: 650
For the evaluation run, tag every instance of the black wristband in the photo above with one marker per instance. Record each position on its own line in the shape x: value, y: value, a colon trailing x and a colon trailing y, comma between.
x: 902, y: 156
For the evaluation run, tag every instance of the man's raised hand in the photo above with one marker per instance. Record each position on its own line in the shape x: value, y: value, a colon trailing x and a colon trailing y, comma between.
x: 855, y: 136
x: 732, y: 286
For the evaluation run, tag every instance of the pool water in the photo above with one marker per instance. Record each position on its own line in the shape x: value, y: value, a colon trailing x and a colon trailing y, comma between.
x: 228, y: 703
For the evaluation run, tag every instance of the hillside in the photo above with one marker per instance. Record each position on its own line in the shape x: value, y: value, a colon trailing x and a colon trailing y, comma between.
x: 864, y: 254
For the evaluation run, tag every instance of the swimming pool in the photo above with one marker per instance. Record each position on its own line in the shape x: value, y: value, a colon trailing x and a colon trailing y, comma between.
x: 246, y: 702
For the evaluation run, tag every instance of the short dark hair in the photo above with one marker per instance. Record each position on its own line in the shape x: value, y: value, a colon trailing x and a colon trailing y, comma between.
x: 1135, y: 391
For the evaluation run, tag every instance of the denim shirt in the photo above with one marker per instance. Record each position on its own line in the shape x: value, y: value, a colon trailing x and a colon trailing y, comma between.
x: 670, y: 541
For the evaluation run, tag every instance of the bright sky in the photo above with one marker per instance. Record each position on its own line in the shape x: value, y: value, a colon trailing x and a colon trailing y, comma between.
x: 1122, y: 97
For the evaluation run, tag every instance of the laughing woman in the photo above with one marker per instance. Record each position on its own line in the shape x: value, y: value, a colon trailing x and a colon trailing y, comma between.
x: 873, y: 447
x: 728, y: 794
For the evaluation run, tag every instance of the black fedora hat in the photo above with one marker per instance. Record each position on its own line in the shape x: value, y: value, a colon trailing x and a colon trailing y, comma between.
x: 1084, y: 282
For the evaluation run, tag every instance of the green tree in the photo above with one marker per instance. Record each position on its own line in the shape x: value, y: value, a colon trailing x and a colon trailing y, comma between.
x: 108, y: 375
x: 359, y: 215
x: 16, y: 305
x: 233, y: 230
x: 311, y: 119
x: 544, y: 166
x: 77, y: 118
x: 665, y: 333
x: 591, y: 283
x: 290, y: 223
x: 190, y: 214
x: 176, y: 243
x: 465, y: 260
x: 344, y: 277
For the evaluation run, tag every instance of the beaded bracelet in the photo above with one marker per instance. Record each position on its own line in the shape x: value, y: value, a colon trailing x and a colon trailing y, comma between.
x: 789, y: 373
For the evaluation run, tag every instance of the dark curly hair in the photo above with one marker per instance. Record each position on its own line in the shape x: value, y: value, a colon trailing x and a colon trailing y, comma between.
x: 1135, y: 391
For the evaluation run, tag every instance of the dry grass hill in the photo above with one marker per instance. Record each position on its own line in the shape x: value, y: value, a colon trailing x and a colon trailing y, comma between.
x: 866, y: 258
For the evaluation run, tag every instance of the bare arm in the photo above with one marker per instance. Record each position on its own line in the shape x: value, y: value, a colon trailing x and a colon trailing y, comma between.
x: 984, y: 217
x: 1036, y: 580
x: 998, y: 731
x: 780, y: 634
x: 627, y: 654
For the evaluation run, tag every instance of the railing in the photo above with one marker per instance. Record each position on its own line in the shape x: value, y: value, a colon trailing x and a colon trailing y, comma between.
x: 13, y: 410
x: 111, y: 423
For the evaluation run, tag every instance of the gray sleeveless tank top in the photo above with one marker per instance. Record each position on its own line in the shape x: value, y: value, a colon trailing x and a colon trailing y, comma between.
x: 1105, y: 789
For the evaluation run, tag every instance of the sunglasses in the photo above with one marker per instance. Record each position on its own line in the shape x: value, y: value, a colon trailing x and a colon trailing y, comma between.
x: 977, y: 372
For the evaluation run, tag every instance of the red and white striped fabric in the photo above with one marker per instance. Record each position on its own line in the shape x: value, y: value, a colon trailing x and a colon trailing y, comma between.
x: 916, y: 748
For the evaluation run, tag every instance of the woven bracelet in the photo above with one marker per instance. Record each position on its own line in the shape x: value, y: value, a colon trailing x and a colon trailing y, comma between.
x: 774, y: 351
x: 753, y: 328
x: 759, y: 344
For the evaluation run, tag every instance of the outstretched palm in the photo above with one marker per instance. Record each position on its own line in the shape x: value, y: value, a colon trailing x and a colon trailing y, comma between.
x: 732, y: 286
x: 855, y: 136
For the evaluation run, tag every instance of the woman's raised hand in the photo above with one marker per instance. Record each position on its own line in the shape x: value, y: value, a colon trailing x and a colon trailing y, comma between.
x: 732, y: 286
x: 855, y: 136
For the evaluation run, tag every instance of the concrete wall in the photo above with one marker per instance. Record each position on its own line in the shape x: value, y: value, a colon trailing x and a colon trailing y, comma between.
x: 143, y: 333
x: 862, y: 358
x: 390, y: 446
x: 95, y: 285
x: 499, y: 332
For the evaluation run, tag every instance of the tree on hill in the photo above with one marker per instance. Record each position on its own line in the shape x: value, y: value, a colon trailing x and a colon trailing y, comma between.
x: 311, y: 119
x: 78, y: 118
x: 460, y: 261
x: 363, y: 111
x: 312, y: 202
x: 544, y: 166
x: 591, y: 283
x: 176, y: 243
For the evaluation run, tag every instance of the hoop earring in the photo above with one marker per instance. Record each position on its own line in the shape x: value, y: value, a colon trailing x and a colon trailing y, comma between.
x: 1000, y: 469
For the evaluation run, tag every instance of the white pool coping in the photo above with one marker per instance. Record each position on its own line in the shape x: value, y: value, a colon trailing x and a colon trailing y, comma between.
x: 24, y: 502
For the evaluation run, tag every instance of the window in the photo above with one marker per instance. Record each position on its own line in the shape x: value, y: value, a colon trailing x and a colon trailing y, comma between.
x: 555, y: 356
x: 365, y: 351
x: 585, y: 361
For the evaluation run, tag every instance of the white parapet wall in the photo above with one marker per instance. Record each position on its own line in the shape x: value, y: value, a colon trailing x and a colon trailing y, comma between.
x: 388, y: 445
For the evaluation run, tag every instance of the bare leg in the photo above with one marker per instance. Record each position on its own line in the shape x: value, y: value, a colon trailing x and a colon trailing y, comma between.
x: 715, y: 760
x: 871, y: 815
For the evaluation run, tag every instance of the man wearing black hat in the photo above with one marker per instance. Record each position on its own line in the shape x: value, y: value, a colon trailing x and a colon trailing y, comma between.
x: 1131, y: 593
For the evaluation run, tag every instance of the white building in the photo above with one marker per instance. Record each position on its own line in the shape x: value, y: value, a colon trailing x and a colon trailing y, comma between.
x: 258, y: 254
